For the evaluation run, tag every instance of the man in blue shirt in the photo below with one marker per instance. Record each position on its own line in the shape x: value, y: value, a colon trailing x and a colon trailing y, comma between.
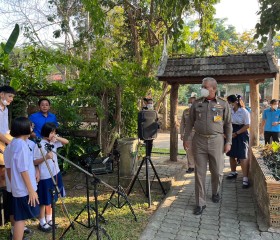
x: 271, y: 122
x: 42, y: 117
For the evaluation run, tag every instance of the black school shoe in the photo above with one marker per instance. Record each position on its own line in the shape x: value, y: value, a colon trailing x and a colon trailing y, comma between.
x: 28, y: 231
x: 215, y: 198
x: 245, y: 185
x: 232, y: 176
x: 45, y: 228
x: 199, y: 210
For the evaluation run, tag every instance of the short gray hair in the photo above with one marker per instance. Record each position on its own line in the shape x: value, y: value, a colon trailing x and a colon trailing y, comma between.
x: 212, y: 80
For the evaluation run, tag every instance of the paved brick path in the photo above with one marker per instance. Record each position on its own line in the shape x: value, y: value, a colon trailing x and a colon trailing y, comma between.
x: 235, y: 217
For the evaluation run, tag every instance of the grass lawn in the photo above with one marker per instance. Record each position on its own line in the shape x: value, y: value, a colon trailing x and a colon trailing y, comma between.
x: 120, y: 222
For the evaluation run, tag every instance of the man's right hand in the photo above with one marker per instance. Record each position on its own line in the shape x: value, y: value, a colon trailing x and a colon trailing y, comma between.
x: 186, y: 144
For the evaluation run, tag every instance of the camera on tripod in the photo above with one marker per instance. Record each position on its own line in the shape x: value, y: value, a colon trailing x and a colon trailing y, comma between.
x: 95, y: 163
x: 147, y: 124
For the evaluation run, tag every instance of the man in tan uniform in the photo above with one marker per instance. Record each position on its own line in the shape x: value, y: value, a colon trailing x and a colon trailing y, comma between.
x: 184, y: 122
x: 210, y: 116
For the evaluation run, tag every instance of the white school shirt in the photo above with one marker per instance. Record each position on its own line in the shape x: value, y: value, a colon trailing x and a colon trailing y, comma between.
x: 53, y: 163
x: 7, y: 159
x: 240, y: 117
x: 21, y: 160
x: 4, y: 123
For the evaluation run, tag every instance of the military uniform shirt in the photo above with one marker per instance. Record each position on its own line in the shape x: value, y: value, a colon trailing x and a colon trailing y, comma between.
x: 210, y: 117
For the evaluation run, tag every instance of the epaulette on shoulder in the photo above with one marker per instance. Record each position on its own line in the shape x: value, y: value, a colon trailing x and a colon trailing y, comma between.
x: 199, y: 99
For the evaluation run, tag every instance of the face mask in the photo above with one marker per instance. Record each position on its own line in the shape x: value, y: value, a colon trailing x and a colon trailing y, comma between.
x: 274, y: 107
x: 150, y: 106
x: 5, y: 103
x: 265, y: 103
x: 189, y: 105
x: 204, y: 92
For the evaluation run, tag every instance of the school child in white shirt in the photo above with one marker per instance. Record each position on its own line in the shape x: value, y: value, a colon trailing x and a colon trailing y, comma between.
x: 21, y: 175
x: 45, y: 185
x: 9, y: 208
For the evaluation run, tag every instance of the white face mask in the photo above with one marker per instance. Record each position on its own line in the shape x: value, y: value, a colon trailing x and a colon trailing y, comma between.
x: 274, y: 107
x: 265, y: 103
x: 204, y: 92
x: 189, y: 105
x: 5, y: 103
x: 150, y: 106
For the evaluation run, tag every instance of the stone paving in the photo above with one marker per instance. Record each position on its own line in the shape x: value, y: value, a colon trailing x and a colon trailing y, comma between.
x: 233, y: 218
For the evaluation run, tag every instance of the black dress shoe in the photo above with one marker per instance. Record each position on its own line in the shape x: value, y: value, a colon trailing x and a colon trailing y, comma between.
x: 215, y: 198
x: 190, y: 170
x: 198, y: 210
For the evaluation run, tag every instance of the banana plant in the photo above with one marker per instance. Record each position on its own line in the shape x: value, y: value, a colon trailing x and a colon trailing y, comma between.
x: 8, y: 47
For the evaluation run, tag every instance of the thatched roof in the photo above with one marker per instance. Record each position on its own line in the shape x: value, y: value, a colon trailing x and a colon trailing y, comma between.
x: 225, y: 69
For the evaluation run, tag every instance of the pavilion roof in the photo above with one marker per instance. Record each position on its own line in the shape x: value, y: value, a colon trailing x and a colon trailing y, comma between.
x: 226, y: 69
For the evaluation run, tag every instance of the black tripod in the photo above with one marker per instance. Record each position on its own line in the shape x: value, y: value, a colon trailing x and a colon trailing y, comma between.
x: 120, y: 191
x: 88, y: 208
x: 100, y: 231
x: 147, y: 160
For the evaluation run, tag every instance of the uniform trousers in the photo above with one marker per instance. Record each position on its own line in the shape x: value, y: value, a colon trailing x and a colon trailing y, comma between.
x: 190, y: 156
x: 207, y: 150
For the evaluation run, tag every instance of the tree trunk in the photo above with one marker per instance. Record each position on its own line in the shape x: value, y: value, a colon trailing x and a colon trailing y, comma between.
x: 104, y: 122
x: 131, y: 13
x: 162, y: 96
x: 255, y: 105
x: 116, y: 131
x: 173, y: 122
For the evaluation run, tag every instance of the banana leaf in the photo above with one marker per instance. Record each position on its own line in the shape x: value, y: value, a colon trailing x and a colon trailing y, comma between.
x: 12, y: 40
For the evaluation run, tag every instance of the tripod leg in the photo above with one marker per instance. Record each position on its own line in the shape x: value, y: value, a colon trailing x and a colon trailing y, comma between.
x: 153, y: 167
x: 107, y: 203
x: 134, y: 178
x: 148, y: 186
x: 126, y: 202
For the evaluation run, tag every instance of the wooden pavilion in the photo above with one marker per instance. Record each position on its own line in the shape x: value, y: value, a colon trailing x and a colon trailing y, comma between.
x: 245, y: 68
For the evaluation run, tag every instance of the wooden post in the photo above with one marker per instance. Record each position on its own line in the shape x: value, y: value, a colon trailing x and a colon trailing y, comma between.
x: 173, y: 122
x: 164, y: 121
x: 275, y: 87
x: 255, y: 114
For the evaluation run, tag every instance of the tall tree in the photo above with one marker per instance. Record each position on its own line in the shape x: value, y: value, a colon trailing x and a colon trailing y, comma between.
x: 269, y: 20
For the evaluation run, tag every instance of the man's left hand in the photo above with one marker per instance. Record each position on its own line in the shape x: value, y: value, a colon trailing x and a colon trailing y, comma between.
x: 227, y: 148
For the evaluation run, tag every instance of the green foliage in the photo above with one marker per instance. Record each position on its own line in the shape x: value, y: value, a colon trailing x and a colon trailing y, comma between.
x: 271, y: 156
x: 269, y: 20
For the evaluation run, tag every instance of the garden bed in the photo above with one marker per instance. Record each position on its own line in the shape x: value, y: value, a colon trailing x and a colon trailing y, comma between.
x: 266, y: 189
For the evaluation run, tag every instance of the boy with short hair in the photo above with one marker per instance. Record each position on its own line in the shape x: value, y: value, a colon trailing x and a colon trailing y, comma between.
x: 7, y: 94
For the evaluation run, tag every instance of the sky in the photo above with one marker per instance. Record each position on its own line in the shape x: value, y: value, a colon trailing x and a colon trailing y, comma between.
x: 240, y: 13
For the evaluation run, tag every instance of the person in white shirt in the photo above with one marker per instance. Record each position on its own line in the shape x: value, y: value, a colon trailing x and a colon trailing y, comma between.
x: 240, y: 138
x: 45, y: 184
x: 21, y: 176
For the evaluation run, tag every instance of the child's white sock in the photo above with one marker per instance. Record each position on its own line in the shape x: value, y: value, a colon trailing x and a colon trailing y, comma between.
x: 42, y: 221
x: 48, y: 218
x: 245, y: 179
